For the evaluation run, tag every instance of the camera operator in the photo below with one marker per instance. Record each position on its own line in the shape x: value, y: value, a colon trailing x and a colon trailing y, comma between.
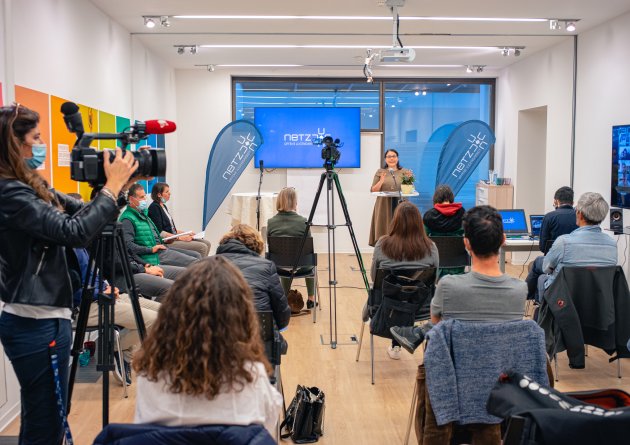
x: 36, y: 224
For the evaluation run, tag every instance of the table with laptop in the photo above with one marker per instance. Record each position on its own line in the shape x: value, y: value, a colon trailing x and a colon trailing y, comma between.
x: 518, y: 237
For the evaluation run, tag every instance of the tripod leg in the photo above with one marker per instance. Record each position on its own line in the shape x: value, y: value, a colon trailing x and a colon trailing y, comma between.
x: 132, y: 290
x: 309, y: 223
x: 353, y: 238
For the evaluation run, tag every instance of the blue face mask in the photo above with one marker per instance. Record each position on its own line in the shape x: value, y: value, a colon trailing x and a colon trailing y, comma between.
x: 163, y: 200
x: 39, y: 156
x: 142, y: 206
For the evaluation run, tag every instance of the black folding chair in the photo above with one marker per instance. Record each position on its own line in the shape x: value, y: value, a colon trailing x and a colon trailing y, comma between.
x: 409, y: 289
x: 453, y: 256
x: 284, y: 249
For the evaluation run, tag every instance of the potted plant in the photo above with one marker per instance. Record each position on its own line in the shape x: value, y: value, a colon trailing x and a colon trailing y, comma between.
x: 407, y: 181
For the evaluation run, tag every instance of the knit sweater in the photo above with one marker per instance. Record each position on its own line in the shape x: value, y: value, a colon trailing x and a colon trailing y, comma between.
x: 463, y: 360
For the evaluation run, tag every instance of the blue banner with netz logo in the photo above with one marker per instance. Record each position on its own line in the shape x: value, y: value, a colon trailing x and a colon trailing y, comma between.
x: 232, y: 150
x: 462, y: 152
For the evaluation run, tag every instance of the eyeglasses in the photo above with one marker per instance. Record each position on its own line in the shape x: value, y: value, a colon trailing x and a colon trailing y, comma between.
x: 390, y: 156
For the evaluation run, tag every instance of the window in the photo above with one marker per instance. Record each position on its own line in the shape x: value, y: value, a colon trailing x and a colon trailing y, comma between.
x: 249, y: 94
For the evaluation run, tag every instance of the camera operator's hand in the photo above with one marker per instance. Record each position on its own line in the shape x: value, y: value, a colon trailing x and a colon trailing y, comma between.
x: 158, y: 247
x: 119, y: 171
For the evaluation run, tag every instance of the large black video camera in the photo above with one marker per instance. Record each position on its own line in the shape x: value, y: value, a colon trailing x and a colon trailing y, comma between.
x: 86, y: 163
x: 330, y: 152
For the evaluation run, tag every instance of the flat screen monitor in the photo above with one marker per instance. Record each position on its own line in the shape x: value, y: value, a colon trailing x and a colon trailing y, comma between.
x: 535, y: 222
x: 290, y: 135
x: 620, y: 178
x: 514, y: 222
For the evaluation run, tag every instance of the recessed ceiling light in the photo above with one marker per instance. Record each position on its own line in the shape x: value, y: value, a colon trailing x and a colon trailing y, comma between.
x: 359, y: 17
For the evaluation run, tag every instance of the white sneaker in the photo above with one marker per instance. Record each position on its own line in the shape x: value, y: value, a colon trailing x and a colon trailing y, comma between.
x: 393, y: 352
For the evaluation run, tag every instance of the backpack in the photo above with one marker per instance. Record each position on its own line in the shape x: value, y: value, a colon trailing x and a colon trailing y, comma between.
x: 296, y: 302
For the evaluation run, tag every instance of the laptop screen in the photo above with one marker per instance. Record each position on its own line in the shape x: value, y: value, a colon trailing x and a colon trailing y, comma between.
x: 514, y: 221
x: 535, y: 222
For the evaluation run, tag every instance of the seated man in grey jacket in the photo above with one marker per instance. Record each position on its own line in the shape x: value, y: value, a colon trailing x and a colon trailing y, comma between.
x: 484, y: 294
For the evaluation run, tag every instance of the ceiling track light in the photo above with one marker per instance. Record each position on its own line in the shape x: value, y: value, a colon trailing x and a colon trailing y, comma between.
x: 478, y: 68
x: 149, y: 22
x: 514, y: 50
x: 567, y: 24
x: 181, y: 49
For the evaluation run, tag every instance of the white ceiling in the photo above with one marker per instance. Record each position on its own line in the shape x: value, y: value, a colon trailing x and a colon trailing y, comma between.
x: 363, y: 33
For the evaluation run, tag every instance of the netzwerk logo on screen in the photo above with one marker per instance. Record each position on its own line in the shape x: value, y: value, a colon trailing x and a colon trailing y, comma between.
x: 246, y: 144
x: 305, y: 139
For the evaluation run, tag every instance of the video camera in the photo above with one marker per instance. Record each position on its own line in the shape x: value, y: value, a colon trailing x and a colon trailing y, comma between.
x: 330, y: 152
x: 86, y: 163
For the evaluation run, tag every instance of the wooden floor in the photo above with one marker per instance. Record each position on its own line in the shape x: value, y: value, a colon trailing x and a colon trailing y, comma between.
x: 356, y: 411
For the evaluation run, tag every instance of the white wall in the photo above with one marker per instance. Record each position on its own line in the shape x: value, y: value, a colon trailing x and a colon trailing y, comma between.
x: 541, y: 80
x: 204, y: 107
x: 70, y: 49
x: 603, y: 96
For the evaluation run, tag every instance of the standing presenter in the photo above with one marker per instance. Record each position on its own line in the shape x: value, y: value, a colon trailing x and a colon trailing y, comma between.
x: 384, y: 206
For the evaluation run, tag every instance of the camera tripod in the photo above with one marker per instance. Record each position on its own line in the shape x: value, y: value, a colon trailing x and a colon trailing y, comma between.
x: 106, y: 253
x: 332, y: 179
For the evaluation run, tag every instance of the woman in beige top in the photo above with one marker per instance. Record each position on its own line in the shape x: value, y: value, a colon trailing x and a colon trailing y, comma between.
x: 384, y: 182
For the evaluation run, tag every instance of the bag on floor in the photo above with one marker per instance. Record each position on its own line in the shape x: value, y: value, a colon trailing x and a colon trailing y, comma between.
x: 304, y: 420
x: 296, y: 302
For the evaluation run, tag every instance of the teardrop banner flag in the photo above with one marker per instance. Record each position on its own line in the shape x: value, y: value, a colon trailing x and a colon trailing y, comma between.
x: 232, y: 150
x: 462, y: 152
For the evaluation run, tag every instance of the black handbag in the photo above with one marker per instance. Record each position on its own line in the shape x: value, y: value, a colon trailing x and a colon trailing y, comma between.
x: 304, y: 419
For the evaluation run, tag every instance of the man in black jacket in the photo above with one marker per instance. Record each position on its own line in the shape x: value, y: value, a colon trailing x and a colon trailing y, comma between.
x: 560, y: 221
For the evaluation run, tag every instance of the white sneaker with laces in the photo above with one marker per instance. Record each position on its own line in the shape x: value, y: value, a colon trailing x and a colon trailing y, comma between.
x: 393, y: 352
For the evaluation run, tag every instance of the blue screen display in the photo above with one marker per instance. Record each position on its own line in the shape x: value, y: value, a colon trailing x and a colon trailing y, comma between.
x: 288, y: 136
x: 536, y: 222
x: 513, y: 221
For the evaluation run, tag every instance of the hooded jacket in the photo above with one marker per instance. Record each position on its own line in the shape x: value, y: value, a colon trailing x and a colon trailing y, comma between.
x: 262, y: 277
x: 444, y: 218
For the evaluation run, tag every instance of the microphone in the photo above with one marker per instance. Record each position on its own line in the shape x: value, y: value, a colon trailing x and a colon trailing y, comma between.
x: 260, y: 165
x: 391, y: 170
x: 154, y: 126
x: 72, y: 118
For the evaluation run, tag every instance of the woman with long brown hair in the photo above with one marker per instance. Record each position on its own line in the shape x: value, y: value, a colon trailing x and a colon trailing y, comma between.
x: 406, y: 247
x: 204, y: 362
x: 36, y: 225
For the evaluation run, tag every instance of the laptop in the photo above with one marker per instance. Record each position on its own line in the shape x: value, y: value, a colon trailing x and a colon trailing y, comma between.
x: 514, y: 223
x: 535, y: 223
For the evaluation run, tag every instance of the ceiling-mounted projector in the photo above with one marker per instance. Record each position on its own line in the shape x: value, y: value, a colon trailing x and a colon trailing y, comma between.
x: 397, y: 54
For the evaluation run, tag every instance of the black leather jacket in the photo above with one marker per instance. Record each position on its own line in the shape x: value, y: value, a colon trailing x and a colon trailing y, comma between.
x: 33, y: 236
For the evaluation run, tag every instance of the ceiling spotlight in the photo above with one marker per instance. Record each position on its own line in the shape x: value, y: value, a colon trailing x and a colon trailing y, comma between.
x: 505, y: 52
x: 193, y: 49
x: 570, y: 26
x: 416, y: 93
x: 210, y: 68
x: 149, y: 22
x: 164, y: 21
x: 480, y: 68
x: 555, y: 25
x: 517, y: 52
x: 424, y: 92
x: 469, y: 69
x: 180, y: 50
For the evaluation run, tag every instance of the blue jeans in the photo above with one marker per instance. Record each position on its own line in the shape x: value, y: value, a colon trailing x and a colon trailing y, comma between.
x: 535, y: 271
x: 25, y: 341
